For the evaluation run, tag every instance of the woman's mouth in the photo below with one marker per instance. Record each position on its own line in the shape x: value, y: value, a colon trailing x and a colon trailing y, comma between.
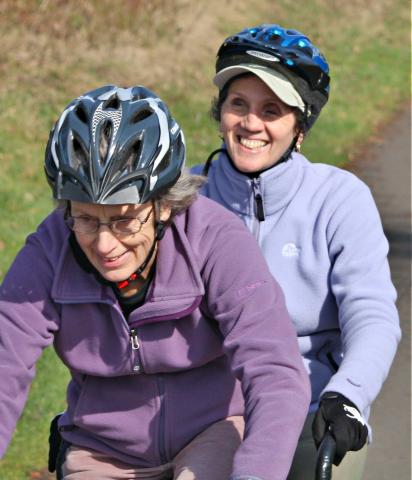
x: 252, y: 144
x: 113, y: 262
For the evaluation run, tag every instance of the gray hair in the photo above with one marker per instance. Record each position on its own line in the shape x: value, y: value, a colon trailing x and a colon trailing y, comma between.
x: 182, y: 194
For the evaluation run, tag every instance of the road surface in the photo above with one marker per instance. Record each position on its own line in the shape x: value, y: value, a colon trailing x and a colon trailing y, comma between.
x: 386, y: 167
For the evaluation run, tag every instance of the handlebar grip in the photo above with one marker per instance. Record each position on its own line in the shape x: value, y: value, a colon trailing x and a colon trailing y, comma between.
x: 325, y: 456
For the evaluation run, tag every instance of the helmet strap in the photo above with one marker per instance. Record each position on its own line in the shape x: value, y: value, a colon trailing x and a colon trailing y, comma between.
x: 160, y: 231
x: 293, y: 147
x: 123, y: 284
x: 210, y: 159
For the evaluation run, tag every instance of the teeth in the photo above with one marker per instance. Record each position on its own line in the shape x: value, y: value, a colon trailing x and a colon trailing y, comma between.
x: 112, y: 259
x: 252, y: 143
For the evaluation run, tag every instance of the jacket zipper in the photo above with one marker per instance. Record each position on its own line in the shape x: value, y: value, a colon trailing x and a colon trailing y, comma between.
x: 134, y: 339
x: 134, y: 342
x: 260, y: 212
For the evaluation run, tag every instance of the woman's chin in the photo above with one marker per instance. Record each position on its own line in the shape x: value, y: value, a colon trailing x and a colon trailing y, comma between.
x: 115, y: 276
x: 251, y: 163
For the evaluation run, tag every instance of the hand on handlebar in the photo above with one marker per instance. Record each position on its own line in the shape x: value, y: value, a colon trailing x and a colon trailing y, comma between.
x: 342, y: 418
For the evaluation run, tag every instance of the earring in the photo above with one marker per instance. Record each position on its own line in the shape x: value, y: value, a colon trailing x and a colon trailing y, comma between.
x: 297, y: 147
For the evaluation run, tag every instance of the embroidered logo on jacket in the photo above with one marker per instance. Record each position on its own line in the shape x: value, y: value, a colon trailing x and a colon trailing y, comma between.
x: 290, y: 250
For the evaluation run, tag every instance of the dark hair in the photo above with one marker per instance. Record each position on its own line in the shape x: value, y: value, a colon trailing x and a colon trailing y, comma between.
x: 217, y: 102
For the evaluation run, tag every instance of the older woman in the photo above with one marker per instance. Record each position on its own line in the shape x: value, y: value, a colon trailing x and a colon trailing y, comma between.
x: 169, y: 335
x: 318, y: 228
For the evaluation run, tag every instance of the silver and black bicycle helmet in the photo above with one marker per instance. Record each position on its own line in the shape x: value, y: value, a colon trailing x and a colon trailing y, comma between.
x: 113, y: 146
x: 285, y: 51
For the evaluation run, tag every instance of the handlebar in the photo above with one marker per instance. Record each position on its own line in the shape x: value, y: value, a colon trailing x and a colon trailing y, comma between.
x: 325, y: 456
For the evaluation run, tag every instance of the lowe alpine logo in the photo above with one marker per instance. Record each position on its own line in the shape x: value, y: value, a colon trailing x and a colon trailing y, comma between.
x: 290, y: 250
x: 262, y: 55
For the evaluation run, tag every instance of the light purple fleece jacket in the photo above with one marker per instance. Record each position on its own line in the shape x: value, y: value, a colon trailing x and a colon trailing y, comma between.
x: 324, y: 243
x: 213, y: 310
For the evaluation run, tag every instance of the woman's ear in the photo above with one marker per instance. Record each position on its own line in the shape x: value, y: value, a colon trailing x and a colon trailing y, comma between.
x: 165, y: 212
x: 162, y: 220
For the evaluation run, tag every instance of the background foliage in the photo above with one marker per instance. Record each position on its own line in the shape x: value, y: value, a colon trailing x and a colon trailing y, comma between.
x: 52, y: 51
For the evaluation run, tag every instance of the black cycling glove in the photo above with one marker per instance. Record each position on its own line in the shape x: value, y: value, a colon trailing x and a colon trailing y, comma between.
x: 342, y: 418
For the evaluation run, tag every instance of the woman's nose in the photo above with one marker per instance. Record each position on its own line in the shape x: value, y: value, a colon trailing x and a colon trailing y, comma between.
x: 105, y: 240
x: 252, y: 122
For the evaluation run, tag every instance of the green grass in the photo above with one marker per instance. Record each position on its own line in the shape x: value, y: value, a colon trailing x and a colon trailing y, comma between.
x: 54, y: 51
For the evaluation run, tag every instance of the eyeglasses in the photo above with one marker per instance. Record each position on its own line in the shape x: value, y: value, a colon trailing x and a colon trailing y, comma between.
x: 122, y: 226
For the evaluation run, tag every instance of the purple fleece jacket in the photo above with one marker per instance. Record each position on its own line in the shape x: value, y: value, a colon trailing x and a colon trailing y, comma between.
x: 213, y: 310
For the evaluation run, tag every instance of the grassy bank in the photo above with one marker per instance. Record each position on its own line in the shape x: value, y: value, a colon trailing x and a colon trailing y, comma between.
x: 55, y: 50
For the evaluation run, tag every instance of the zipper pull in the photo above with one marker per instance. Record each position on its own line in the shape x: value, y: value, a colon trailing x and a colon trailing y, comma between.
x: 134, y: 340
x: 260, y: 213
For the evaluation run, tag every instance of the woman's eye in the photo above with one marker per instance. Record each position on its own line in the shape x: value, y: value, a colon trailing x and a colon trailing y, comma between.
x: 272, y: 111
x: 85, y: 219
x: 237, y: 103
x: 84, y: 222
x: 125, y: 221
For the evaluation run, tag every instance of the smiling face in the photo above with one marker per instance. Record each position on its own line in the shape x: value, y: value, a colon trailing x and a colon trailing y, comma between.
x: 116, y: 257
x: 257, y: 127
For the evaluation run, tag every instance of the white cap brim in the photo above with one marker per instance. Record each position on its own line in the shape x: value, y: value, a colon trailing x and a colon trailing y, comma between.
x: 277, y: 82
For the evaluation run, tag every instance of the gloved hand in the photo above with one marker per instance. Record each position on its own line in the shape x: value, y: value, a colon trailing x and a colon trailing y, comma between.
x: 342, y: 418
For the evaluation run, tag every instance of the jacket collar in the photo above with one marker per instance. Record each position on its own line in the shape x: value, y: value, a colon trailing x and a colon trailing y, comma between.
x: 278, y: 185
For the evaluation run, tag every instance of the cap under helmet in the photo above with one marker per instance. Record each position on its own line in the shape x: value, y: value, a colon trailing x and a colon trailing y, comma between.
x: 114, y: 146
x: 286, y: 51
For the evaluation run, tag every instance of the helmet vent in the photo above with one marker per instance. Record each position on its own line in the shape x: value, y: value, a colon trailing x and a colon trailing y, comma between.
x: 274, y: 37
x: 112, y: 102
x: 79, y: 155
x: 291, y: 55
x: 164, y: 163
x: 81, y: 114
x: 138, y: 96
x: 142, y: 115
x: 307, y: 51
x: 133, y: 157
x: 105, y: 137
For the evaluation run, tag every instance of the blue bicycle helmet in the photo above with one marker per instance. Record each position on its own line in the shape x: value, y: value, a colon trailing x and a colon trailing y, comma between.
x: 114, y: 146
x: 285, y: 51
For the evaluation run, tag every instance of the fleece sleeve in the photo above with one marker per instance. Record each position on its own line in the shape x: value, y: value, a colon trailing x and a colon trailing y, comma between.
x: 365, y: 296
x: 261, y: 344
x: 28, y: 320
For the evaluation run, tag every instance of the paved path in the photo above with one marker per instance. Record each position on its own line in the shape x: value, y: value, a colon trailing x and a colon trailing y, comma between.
x: 387, y: 170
